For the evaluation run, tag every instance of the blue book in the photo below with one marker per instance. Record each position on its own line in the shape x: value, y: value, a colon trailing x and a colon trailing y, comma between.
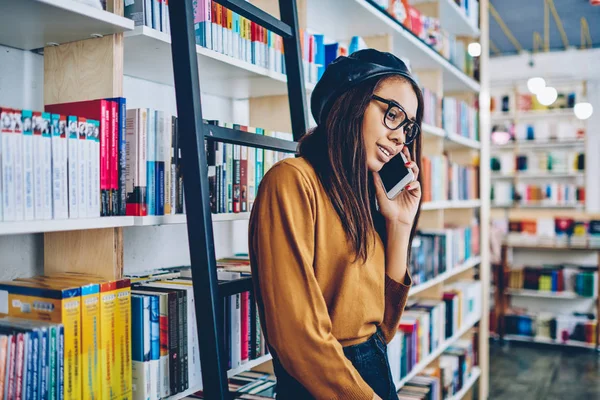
x: 122, y: 191
x: 320, y: 54
x: 154, y: 328
x: 150, y: 160
x: 137, y: 328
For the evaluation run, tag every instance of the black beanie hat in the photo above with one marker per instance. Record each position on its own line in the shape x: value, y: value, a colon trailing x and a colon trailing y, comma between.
x: 346, y: 72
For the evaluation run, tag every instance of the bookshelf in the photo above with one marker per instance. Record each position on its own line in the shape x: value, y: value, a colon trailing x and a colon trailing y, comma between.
x: 32, y: 24
x: 436, y: 353
x: 503, y: 294
x: 90, y: 53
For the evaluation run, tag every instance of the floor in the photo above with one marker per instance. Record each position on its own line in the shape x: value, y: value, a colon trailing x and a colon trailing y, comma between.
x: 530, y: 372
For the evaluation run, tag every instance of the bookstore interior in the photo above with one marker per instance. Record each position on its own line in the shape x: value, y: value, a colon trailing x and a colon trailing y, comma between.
x: 114, y: 285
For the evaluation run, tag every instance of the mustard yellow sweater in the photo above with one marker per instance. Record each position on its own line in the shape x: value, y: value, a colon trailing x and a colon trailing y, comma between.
x: 312, y: 298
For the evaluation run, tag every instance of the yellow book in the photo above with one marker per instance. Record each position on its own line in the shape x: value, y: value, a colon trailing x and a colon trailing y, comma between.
x: 123, y: 338
x: 40, y: 301
x: 90, y: 329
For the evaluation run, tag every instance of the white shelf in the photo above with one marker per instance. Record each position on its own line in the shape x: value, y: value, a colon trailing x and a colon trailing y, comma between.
x: 32, y: 24
x: 421, y: 365
x: 539, y: 206
x: 534, y: 114
x: 453, y: 19
x: 362, y: 18
x: 467, y: 265
x: 528, y: 339
x: 182, y: 219
x: 475, y: 374
x: 430, y: 130
x: 59, y: 225
x: 534, y: 145
x: 220, y: 74
x: 542, y: 175
x: 547, y: 294
x: 450, y: 204
x: 456, y: 141
x: 249, y: 365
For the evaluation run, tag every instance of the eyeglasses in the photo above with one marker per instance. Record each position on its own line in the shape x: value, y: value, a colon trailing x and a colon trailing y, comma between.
x: 395, y: 118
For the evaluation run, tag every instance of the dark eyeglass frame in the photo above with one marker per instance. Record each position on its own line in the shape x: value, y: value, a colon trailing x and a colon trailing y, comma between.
x: 411, y: 134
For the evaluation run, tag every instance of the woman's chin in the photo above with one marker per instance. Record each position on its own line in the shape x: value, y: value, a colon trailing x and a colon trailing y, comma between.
x: 374, y: 165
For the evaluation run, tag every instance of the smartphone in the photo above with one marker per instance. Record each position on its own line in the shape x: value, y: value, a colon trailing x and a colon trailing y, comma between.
x: 396, y: 175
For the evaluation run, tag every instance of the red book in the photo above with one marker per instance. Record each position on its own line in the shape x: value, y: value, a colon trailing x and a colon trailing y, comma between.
x: 245, y: 325
x: 99, y: 110
x: 114, y: 158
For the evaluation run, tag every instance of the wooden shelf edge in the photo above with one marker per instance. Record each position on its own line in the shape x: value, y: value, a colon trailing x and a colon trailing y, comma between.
x: 467, y: 265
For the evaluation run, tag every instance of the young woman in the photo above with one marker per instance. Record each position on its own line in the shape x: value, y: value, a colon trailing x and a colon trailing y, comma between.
x: 328, y: 249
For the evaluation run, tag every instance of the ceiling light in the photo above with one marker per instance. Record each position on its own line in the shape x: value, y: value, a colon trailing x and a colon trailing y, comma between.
x: 583, y: 110
x: 474, y: 49
x: 535, y: 85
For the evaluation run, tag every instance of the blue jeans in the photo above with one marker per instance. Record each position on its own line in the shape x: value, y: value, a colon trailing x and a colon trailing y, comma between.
x: 370, y: 360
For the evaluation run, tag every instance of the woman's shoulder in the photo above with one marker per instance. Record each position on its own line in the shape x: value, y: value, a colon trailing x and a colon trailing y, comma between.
x: 295, y: 171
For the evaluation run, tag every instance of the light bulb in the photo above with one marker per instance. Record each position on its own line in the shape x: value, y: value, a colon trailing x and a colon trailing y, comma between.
x: 474, y: 49
x: 547, y: 96
x: 535, y: 85
x: 583, y: 110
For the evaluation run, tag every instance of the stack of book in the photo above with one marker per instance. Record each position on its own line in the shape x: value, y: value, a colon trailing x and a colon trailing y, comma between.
x: 66, y: 162
x: 460, y: 118
x: 437, y: 251
x: 250, y: 385
x: 421, y: 331
x: 552, y: 162
x: 425, y: 386
x: 432, y: 114
x: 151, y: 13
x: 557, y: 231
x: 446, y: 180
x: 430, y: 31
x: 235, y: 171
x: 76, y: 342
x: 553, y: 328
x: 529, y: 102
x: 426, y: 325
x: 581, y: 280
x: 456, y: 365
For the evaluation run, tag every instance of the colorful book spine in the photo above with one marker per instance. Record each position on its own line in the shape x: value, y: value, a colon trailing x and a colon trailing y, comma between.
x: 60, y: 194
x: 28, y: 162
x: 47, y: 165
x: 151, y: 162
x: 123, y: 338
x: 84, y: 176
x: 73, y: 167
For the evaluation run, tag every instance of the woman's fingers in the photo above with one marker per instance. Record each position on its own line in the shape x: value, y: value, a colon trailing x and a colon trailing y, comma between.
x: 414, y: 168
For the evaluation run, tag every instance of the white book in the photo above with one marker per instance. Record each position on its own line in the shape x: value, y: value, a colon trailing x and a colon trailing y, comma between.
x: 156, y: 15
x: 215, y: 36
x: 17, y: 127
x: 194, y: 370
x: 235, y: 39
x: 60, y: 204
x: 148, y: 13
x: 225, y: 40
x: 8, y: 178
x: 235, y: 335
x: 167, y: 144
x: 38, y: 165
x: 90, y: 174
x: 84, y: 176
x: 95, y: 149
x: 163, y: 16
x: 207, y: 23
x: 28, y: 165
x: 173, y: 170
x: 251, y: 170
x: 230, y: 39
x: 73, y: 166
x: 141, y: 376
x: 47, y: 165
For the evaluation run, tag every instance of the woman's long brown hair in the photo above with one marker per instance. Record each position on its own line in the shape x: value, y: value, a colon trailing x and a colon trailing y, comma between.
x: 337, y: 153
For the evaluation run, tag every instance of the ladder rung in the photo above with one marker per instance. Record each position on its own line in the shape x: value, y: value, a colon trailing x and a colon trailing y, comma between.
x: 235, y: 136
x: 229, y: 288
x: 257, y: 15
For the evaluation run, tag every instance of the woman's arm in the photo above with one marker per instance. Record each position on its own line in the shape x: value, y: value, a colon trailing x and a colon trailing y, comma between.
x: 295, y: 315
x: 399, y: 215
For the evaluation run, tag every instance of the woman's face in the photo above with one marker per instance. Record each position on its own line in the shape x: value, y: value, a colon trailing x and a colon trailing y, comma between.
x: 382, y: 143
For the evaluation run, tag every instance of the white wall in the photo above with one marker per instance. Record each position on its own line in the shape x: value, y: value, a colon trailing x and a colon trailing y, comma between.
x: 21, y: 86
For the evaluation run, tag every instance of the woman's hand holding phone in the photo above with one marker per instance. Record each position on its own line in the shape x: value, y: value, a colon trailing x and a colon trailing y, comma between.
x: 403, y: 208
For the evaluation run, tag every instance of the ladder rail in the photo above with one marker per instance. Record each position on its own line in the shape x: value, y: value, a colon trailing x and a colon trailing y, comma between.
x: 198, y: 214
x: 208, y: 294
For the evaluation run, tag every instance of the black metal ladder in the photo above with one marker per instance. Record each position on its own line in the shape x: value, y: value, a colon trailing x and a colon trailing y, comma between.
x: 208, y: 293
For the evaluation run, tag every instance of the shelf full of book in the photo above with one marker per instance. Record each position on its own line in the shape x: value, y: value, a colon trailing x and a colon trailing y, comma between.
x: 365, y: 18
x: 31, y: 24
x: 222, y: 74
